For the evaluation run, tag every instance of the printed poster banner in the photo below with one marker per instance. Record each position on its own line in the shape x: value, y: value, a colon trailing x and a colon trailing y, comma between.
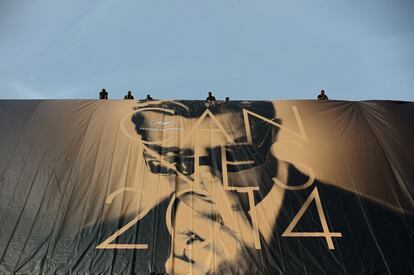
x: 195, y: 187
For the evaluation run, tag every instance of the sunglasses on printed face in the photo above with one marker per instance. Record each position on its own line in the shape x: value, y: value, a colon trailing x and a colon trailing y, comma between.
x: 239, y: 157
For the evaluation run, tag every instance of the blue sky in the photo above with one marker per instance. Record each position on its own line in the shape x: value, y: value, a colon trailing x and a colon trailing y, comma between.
x: 289, y: 49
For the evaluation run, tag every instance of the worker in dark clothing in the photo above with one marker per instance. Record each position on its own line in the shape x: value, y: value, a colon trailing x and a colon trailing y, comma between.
x: 322, y: 96
x: 103, y: 94
x: 129, y: 95
x: 227, y: 100
x: 149, y: 98
x: 210, y: 97
x: 210, y: 100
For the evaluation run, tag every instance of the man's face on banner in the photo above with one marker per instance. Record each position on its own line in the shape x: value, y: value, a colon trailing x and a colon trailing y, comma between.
x: 209, y: 151
x: 178, y: 143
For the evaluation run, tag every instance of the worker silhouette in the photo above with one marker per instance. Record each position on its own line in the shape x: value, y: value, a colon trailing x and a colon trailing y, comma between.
x: 103, y: 94
x: 322, y: 96
x: 227, y: 100
x: 129, y: 95
x: 210, y: 97
x: 210, y: 100
x: 149, y: 98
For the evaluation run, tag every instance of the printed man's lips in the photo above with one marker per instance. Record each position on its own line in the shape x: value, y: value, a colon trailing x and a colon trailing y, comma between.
x: 161, y: 122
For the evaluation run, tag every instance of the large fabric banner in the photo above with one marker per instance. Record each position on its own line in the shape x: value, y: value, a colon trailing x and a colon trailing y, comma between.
x: 195, y: 187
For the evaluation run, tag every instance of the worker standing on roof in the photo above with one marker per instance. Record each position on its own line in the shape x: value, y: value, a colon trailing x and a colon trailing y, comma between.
x: 210, y: 97
x: 129, y: 95
x: 210, y: 100
x: 322, y: 96
x: 103, y: 94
